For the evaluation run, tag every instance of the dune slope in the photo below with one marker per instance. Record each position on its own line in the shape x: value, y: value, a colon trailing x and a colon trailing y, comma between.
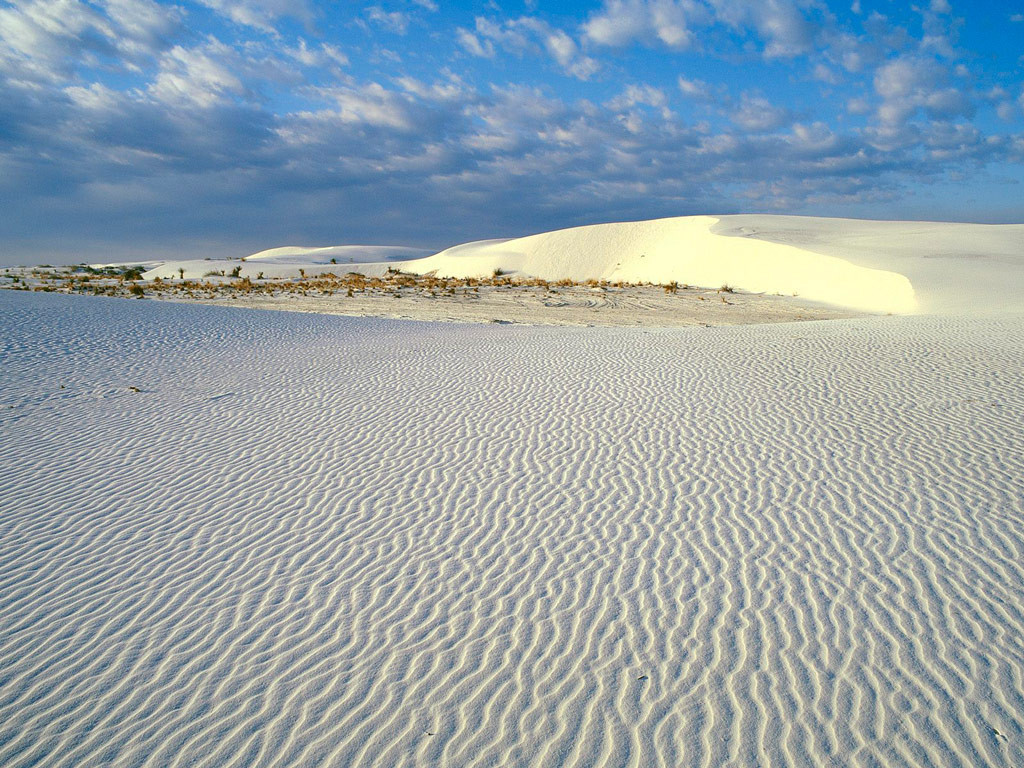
x: 312, y: 540
x: 955, y: 269
x: 684, y: 250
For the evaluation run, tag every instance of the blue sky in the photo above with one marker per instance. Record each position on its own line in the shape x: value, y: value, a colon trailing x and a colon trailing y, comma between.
x: 131, y: 128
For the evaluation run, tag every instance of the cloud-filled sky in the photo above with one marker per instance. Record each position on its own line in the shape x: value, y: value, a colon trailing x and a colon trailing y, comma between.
x: 218, y: 127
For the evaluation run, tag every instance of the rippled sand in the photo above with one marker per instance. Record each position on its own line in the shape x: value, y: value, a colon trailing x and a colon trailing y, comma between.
x: 260, y: 538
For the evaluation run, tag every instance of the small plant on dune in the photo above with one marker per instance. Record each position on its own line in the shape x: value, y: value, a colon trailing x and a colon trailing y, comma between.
x: 212, y: 273
x: 259, y: 276
x: 726, y: 288
x: 137, y: 290
x: 181, y: 273
x: 302, y: 273
x: 672, y: 287
x: 237, y: 271
x: 498, y: 272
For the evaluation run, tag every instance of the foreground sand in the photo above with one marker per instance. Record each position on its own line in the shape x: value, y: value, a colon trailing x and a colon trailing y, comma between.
x: 258, y: 538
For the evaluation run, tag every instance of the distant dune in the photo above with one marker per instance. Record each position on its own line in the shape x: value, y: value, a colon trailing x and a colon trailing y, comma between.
x: 876, y: 266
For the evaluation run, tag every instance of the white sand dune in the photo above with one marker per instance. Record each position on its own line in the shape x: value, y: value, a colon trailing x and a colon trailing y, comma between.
x: 293, y: 261
x: 685, y: 250
x: 898, y: 267
x: 313, y: 540
x: 954, y: 268
x: 341, y: 254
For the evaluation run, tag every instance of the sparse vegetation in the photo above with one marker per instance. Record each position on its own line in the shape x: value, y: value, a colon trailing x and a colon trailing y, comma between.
x: 128, y: 282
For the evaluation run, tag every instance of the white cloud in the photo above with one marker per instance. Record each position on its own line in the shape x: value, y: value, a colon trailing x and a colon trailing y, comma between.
x: 638, y: 95
x: 490, y: 142
x: 374, y: 106
x: 201, y: 76
x: 45, y: 40
x: 440, y: 92
x: 564, y: 50
x: 142, y: 24
x: 780, y: 24
x: 321, y: 55
x: 484, y: 49
x: 510, y: 35
x: 393, y: 21
x: 756, y: 113
x: 852, y: 61
x: 858, y: 106
x: 95, y: 97
x: 261, y: 14
x: 822, y: 73
x: 816, y: 137
x: 695, y: 89
x: 664, y: 22
x: 40, y: 33
x: 409, y: 111
x: 524, y: 34
x: 912, y: 83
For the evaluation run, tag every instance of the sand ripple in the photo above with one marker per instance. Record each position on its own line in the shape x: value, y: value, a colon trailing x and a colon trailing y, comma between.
x: 328, y: 541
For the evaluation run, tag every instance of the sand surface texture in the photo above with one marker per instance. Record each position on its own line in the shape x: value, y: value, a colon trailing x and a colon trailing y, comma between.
x: 235, y: 538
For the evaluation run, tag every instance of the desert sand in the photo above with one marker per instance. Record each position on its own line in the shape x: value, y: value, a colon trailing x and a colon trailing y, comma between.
x: 275, y: 538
